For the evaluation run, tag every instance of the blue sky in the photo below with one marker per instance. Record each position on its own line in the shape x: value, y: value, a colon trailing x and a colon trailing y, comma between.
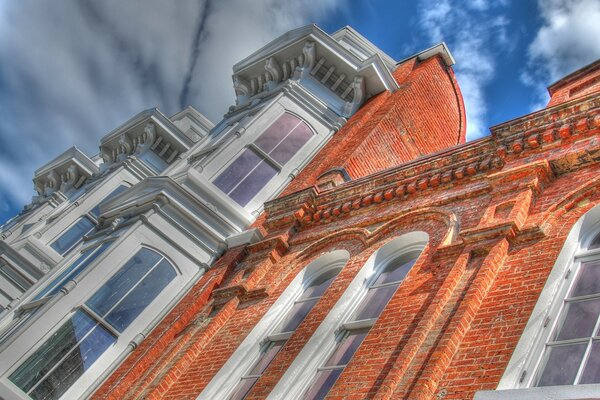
x: 73, y: 70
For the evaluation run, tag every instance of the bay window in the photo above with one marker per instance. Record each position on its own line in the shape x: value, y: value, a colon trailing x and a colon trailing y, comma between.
x: 94, y: 326
x: 258, y: 163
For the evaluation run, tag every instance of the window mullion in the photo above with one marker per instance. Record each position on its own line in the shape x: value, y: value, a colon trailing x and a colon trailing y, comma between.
x: 286, y: 136
x: 59, y: 362
x: 380, y: 285
x: 266, y: 156
x: 134, y: 286
x: 100, y: 320
x: 331, y: 367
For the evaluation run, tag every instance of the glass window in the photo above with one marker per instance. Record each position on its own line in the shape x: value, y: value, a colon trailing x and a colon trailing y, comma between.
x: 14, y: 277
x: 72, y: 271
x: 63, y: 358
x: 372, y: 305
x: 263, y: 159
x: 94, y: 327
x: 68, y: 239
x: 309, y: 297
x: 328, y: 374
x: 96, y: 210
x: 572, y: 353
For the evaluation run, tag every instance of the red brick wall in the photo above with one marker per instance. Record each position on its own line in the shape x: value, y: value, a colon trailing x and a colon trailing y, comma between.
x: 497, y: 212
x: 424, y: 116
x: 578, y: 84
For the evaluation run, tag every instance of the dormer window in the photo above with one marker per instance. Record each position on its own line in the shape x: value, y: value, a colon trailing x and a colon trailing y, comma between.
x: 264, y: 158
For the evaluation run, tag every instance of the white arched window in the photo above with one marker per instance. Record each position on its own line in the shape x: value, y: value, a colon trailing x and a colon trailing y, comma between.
x: 327, y: 352
x: 93, y: 327
x: 253, y: 355
x: 264, y: 158
x: 380, y: 291
x: 558, y: 354
x: 302, y: 306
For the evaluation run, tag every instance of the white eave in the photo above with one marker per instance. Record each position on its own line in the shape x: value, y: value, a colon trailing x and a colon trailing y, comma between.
x: 439, y: 49
x: 175, y: 135
x: 72, y: 155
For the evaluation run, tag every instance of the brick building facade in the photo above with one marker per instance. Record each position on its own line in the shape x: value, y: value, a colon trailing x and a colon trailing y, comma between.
x: 496, y: 213
x: 384, y: 257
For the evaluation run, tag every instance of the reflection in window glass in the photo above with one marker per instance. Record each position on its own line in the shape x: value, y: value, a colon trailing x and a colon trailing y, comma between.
x: 76, y: 345
x: 335, y: 364
x: 564, y: 361
x: 96, y: 210
x: 72, y: 236
x: 309, y: 297
x: 252, y: 170
x: 63, y: 358
x: 73, y: 271
x: 369, y: 309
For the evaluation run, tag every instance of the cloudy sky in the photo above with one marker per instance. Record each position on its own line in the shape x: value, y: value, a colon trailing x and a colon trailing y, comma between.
x: 73, y: 70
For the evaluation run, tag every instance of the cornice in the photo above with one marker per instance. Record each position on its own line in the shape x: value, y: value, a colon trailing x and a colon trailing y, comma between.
x: 484, y: 158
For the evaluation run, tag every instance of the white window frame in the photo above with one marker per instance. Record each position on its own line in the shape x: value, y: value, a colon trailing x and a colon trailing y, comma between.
x: 249, y: 129
x: 245, y: 356
x: 300, y: 374
x: 277, y: 166
x: 58, y: 311
x: 520, y: 373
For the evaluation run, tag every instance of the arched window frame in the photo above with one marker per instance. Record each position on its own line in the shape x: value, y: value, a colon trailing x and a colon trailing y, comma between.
x: 264, y: 156
x: 300, y: 374
x: 123, y: 336
x: 519, y: 379
x: 249, y: 351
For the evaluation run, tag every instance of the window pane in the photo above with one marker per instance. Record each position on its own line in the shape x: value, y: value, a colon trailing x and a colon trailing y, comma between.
x: 562, y: 364
x: 595, y: 243
x: 60, y: 344
x: 588, y: 281
x: 253, y: 183
x: 346, y: 349
x: 74, y: 365
x: 296, y: 315
x: 14, y: 277
x: 266, y: 358
x: 276, y: 132
x: 72, y: 236
x: 318, y: 287
x: 374, y: 302
x: 591, y: 373
x: 142, y: 295
x: 243, y: 388
x: 323, y: 383
x: 579, y: 319
x: 96, y: 210
x: 237, y: 170
x: 73, y: 271
x: 395, y: 272
x: 285, y: 150
x: 117, y: 286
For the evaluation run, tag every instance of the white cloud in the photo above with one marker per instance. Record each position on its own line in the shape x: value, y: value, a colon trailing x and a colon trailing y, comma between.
x: 475, y: 33
x: 566, y: 41
x: 72, y: 70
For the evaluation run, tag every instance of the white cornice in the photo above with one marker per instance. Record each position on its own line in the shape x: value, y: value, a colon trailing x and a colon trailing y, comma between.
x: 74, y: 155
x: 439, y: 49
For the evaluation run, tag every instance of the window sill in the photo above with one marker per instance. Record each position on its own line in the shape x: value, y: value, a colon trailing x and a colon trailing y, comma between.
x: 566, y: 392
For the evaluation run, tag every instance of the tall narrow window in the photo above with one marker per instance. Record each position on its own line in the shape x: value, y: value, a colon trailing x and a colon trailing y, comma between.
x: 263, y: 159
x: 73, y: 235
x: 57, y: 364
x: 362, y: 319
x: 572, y: 352
x: 302, y: 306
x: 84, y: 226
